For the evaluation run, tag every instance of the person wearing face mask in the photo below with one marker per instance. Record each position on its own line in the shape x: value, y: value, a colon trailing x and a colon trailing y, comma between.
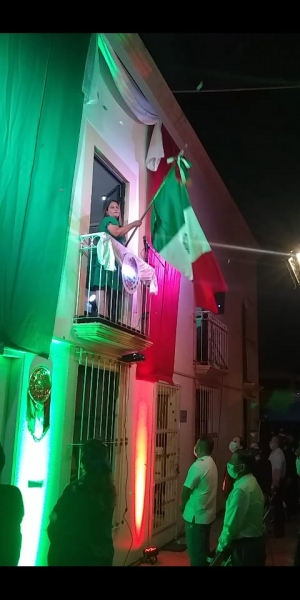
x: 199, y: 498
x: 277, y: 460
x: 242, y: 531
x: 235, y: 444
x: 262, y: 470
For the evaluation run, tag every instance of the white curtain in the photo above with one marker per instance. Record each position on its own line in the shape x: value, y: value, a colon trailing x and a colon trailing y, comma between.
x: 123, y: 89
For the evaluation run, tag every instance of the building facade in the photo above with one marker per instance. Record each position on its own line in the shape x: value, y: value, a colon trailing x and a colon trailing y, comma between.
x: 150, y: 426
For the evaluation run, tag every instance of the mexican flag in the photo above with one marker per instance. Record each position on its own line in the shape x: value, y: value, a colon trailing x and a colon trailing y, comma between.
x: 178, y: 237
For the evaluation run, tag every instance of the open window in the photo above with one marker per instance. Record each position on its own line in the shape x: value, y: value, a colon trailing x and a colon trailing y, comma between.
x: 107, y: 185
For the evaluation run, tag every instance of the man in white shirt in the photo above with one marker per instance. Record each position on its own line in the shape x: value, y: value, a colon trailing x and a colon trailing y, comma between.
x: 242, y: 531
x: 199, y: 499
x: 277, y: 460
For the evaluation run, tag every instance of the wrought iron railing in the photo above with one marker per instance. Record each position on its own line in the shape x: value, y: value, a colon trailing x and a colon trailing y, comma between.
x: 114, y: 286
x: 212, y: 340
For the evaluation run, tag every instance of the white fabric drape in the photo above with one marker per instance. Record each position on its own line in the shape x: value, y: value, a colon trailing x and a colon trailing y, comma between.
x: 91, y: 80
x: 129, y: 94
x: 126, y: 86
x: 156, y: 150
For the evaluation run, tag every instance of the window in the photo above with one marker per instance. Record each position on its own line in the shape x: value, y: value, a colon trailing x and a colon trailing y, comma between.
x: 166, y: 457
x: 100, y: 412
x: 106, y: 185
x: 208, y: 412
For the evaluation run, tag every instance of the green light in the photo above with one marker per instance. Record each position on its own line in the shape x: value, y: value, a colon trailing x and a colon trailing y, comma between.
x: 113, y: 67
x: 35, y: 463
x: 31, y: 464
x: 38, y: 464
x: 64, y: 383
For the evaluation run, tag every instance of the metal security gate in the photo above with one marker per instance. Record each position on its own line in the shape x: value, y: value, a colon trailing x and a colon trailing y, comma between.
x: 207, y: 414
x: 101, y: 403
x: 166, y: 457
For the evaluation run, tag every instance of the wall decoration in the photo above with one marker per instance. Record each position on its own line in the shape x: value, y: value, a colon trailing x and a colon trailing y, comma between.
x: 38, y: 402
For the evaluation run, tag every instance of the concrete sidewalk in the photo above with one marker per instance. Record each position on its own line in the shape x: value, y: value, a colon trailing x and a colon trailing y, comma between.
x: 280, y: 552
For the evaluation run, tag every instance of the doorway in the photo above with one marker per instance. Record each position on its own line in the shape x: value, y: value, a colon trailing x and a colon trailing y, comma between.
x: 166, y: 457
x: 107, y: 185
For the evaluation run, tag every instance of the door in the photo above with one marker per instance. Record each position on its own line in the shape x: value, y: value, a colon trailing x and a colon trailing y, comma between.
x: 166, y: 457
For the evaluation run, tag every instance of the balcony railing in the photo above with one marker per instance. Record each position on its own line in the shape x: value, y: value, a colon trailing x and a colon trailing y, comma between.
x: 114, y: 286
x: 212, y: 341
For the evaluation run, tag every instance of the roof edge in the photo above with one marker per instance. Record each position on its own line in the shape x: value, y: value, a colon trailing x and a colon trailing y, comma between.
x: 142, y: 68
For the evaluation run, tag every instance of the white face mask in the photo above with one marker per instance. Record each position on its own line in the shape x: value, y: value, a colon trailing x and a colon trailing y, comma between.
x: 233, y: 446
x: 232, y: 472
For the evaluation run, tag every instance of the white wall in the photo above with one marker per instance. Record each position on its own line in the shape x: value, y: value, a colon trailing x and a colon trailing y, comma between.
x: 121, y: 142
x: 5, y: 364
x: 240, y: 274
x: 184, y: 373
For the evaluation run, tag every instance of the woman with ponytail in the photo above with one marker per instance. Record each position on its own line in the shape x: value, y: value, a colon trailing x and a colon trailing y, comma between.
x: 80, y: 528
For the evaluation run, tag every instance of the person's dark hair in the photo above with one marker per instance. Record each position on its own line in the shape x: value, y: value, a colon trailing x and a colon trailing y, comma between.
x: 2, y: 458
x: 242, y: 442
x: 246, y: 458
x: 276, y: 438
x: 94, y: 455
x: 94, y: 460
x: 205, y: 444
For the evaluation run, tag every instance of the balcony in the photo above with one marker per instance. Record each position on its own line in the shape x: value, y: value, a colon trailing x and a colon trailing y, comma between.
x: 114, y: 294
x: 212, y: 348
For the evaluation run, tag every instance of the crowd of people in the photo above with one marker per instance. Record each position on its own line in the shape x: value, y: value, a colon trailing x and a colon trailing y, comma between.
x: 253, y: 485
x: 80, y: 525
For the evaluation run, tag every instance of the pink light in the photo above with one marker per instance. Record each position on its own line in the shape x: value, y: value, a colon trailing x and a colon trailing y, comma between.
x: 140, y: 465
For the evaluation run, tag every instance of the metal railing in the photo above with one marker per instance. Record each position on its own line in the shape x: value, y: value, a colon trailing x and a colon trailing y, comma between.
x: 212, y: 340
x: 100, y: 412
x: 101, y: 295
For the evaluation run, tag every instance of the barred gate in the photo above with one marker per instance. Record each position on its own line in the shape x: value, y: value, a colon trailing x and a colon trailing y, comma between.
x: 100, y: 412
x: 207, y: 414
x: 166, y: 457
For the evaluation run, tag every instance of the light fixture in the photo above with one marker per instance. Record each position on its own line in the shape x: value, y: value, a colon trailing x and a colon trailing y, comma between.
x: 133, y: 357
x: 121, y: 122
x: 150, y: 554
x: 293, y: 264
x: 93, y: 304
x: 104, y: 198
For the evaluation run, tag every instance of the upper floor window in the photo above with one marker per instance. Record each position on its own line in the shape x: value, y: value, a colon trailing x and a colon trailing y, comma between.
x: 107, y: 185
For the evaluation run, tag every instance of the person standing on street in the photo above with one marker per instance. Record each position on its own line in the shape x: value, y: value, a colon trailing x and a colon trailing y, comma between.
x: 242, y: 533
x: 198, y: 506
x: 278, y: 463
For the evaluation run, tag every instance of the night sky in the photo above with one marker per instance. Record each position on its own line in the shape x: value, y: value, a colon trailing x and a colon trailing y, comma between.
x: 253, y: 139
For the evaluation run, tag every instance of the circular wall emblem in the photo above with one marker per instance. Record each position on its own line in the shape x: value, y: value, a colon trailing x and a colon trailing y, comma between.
x: 130, y: 273
x: 40, y: 385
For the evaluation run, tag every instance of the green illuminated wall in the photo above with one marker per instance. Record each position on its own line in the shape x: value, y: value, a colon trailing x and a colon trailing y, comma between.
x: 41, y: 469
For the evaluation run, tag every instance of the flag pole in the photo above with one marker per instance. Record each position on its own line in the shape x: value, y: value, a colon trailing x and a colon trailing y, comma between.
x: 154, y: 197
